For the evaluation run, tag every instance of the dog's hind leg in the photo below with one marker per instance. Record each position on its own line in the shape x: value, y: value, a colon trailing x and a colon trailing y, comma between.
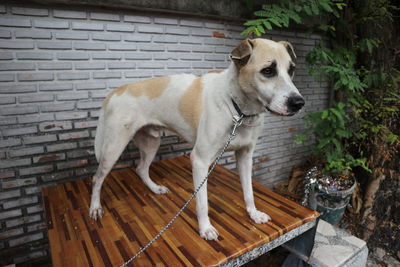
x: 148, y: 142
x: 115, y: 140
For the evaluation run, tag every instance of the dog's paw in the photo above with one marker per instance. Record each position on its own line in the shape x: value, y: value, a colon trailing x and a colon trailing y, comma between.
x: 209, y: 233
x: 259, y: 217
x: 96, y: 212
x: 160, y: 189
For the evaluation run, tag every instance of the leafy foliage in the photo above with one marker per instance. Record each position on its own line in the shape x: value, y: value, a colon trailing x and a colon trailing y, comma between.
x: 367, y: 99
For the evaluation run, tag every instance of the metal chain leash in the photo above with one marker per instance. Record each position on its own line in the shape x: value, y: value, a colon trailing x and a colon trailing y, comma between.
x: 237, y: 121
x: 310, y: 180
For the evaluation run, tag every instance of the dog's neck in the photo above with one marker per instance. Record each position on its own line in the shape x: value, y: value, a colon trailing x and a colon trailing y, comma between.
x: 246, y: 105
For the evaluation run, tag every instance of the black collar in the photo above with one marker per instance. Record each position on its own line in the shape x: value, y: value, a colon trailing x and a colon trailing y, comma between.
x: 240, y: 112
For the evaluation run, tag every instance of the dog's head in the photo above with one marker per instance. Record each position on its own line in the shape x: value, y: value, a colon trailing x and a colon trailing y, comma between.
x: 265, y: 72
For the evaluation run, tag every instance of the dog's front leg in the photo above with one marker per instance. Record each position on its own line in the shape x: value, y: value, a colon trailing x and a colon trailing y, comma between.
x: 244, y: 164
x: 200, y: 168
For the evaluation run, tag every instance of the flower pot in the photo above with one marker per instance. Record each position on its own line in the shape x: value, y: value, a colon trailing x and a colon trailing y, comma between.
x: 332, y: 204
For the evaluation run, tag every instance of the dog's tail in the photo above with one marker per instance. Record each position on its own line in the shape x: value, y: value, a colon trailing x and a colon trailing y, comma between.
x: 98, y: 140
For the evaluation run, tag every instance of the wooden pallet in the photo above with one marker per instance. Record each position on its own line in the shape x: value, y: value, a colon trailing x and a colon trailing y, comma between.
x: 133, y: 215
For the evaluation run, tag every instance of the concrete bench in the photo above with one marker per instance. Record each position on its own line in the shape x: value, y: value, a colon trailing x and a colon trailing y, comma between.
x: 334, y: 247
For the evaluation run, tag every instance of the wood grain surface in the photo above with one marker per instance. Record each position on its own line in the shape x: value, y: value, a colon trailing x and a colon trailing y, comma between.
x: 133, y: 215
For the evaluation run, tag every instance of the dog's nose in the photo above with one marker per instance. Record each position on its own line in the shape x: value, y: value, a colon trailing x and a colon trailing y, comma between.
x: 295, y: 103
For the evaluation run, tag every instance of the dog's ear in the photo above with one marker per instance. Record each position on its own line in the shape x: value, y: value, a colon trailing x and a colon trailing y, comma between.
x: 241, y: 54
x: 289, y: 48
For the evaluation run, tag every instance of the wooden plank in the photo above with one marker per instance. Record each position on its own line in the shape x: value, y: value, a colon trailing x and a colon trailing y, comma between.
x: 133, y: 215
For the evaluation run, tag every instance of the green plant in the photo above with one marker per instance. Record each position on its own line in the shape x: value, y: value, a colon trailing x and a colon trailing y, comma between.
x: 360, y: 85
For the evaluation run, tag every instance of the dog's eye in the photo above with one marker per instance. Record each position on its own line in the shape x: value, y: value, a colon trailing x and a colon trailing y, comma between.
x: 268, y: 72
x: 291, y: 70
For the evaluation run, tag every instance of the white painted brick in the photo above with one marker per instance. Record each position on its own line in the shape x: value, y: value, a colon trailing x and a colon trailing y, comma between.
x: 7, y: 77
x: 39, y: 139
x: 35, y: 77
x: 69, y: 14
x: 19, y: 110
x: 121, y: 65
x: 177, y: 30
x: 106, y: 75
x: 90, y: 65
x: 10, y: 214
x: 19, y: 131
x: 137, y: 56
x: 9, y: 193
x: 15, y: 22
x: 35, y: 118
x: 202, y: 48
x: 178, y: 65
x: 34, y: 55
x: 73, y: 76
x: 51, y: 24
x: 14, y: 163
x: 150, y: 65
x: 133, y: 18
x: 150, y: 29
x: 20, y: 202
x: 25, y: 239
x: 5, y: 33
x: 17, y: 66
x: 72, y: 35
x: 89, y: 104
x: 9, y: 142
x: 61, y: 146
x: 72, y: 96
x: 7, y: 121
x: 36, y: 98
x: 201, y: 32
x: 70, y: 115
x: 57, y: 107
x: 23, y: 220
x: 73, y: 135
x: 3, y: 9
x: 138, y: 37
x: 72, y: 56
x: 106, y: 36
x: 191, y: 56
x: 214, y: 41
x: 6, y: 55
x: 202, y: 65
x: 122, y: 47
x: 138, y: 74
x: 89, y: 46
x: 7, y: 100
x: 9, y: 44
x: 120, y: 28
x: 91, y: 86
x: 165, y: 38
x: 151, y: 47
x: 54, y: 45
x: 54, y: 66
x: 165, y: 56
x: 107, y: 55
x: 29, y: 11
x: 213, y: 57
x: 88, y: 26
x: 178, y: 48
x: 56, y: 87
x: 191, y: 40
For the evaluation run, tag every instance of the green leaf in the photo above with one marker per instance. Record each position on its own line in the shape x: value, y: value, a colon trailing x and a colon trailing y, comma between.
x: 267, y: 25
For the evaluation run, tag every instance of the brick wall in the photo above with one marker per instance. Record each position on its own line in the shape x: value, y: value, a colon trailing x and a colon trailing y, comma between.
x: 57, y: 65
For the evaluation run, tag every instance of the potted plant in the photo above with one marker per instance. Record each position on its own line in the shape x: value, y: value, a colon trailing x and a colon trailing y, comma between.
x: 332, y: 180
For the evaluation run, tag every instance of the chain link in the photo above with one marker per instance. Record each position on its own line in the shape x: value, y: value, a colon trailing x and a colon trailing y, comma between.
x: 237, y: 121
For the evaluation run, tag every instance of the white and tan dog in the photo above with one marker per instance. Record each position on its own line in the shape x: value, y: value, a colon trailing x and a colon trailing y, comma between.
x: 200, y: 109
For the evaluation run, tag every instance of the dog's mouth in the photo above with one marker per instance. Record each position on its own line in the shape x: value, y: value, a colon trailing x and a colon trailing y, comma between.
x: 279, y: 114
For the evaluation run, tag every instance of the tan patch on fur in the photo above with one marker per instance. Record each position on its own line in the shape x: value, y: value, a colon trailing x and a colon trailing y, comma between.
x: 191, y: 103
x: 215, y: 71
x: 152, y: 88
